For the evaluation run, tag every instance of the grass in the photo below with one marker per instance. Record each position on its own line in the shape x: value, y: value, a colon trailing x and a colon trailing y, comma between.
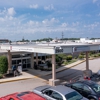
x: 70, y: 61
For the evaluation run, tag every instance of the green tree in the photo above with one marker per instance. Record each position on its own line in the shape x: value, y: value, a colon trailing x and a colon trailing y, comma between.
x: 3, y: 64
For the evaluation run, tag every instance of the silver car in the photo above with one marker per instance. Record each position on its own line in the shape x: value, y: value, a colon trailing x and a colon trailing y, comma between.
x: 59, y: 92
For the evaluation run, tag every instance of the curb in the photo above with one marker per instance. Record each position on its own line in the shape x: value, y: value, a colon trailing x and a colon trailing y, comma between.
x: 14, y: 80
x: 65, y: 68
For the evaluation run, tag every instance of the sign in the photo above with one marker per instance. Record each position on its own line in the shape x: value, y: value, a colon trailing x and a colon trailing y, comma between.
x: 59, y: 50
x: 23, y: 49
x: 81, y: 49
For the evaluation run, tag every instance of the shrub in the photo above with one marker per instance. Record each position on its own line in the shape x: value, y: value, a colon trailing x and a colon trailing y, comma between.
x: 1, y: 75
x: 58, y: 59
x: 69, y: 57
x: 3, y: 64
x: 81, y: 57
x: 95, y: 55
x: 98, y: 54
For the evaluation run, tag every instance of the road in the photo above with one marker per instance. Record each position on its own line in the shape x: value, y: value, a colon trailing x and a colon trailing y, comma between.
x: 94, y: 65
x: 24, y: 85
x: 19, y: 86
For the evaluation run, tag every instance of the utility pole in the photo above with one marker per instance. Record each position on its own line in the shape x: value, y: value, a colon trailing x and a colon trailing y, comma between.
x: 62, y: 35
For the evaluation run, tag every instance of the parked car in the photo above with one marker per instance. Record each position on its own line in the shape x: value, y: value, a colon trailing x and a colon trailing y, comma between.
x: 45, y: 66
x: 87, y: 88
x: 59, y: 92
x: 23, y: 96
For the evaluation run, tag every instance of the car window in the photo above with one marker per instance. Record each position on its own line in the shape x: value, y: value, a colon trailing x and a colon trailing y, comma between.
x: 77, y: 85
x: 86, y: 89
x: 56, y: 96
x: 73, y: 96
x: 11, y: 99
x: 96, y: 87
x: 48, y: 92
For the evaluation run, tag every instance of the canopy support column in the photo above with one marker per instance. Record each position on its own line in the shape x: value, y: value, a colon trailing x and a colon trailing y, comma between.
x: 32, y: 60
x: 9, y: 56
x: 54, y: 81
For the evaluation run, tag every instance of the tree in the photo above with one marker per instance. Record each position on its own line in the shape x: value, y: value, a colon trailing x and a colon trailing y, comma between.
x: 3, y: 64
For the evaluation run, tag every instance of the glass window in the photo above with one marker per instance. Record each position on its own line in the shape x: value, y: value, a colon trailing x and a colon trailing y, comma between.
x: 77, y: 85
x: 85, y: 88
x: 16, y: 56
x: 73, y: 96
x: 28, y: 61
x: 28, y: 65
x: 13, y: 61
x: 96, y: 87
x: 24, y: 61
x: 57, y: 96
x: 48, y: 92
x: 11, y: 99
x: 18, y: 61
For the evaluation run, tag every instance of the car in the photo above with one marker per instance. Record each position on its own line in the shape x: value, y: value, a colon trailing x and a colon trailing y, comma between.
x: 87, y: 88
x: 27, y: 95
x: 59, y: 92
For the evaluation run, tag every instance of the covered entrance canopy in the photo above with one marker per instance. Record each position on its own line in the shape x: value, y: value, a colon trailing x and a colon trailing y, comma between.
x: 51, y: 48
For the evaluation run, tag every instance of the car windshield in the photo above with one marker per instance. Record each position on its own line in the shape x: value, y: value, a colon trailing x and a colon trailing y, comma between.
x: 96, y: 88
x: 73, y: 96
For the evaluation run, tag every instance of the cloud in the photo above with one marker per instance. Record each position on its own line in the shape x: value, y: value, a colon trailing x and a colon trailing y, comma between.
x: 51, y: 21
x: 11, y: 11
x: 64, y: 25
x: 7, y: 12
x: 49, y: 7
x: 99, y: 14
x: 92, y: 26
x: 95, y: 1
x: 88, y: 15
x: 75, y: 24
x: 34, y: 6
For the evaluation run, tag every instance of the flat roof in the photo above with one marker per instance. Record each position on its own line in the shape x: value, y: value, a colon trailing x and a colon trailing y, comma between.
x: 51, y: 48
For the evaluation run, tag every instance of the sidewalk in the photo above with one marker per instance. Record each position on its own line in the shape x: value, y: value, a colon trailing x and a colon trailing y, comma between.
x: 31, y: 73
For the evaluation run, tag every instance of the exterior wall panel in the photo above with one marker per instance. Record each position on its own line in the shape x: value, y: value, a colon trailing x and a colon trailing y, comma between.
x: 96, y: 47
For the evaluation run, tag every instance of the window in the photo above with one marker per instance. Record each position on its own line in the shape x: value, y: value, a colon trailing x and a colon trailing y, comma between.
x: 57, y: 96
x: 96, y: 87
x: 73, y: 96
x: 48, y: 92
x: 77, y: 85
x: 86, y: 89
x: 11, y: 99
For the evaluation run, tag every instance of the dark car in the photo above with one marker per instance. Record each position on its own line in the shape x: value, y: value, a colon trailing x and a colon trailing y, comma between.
x: 87, y: 88
x: 59, y: 92
x: 23, y: 96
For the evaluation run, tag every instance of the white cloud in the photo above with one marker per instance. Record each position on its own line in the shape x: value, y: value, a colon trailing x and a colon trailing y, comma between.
x: 11, y: 11
x: 7, y: 12
x: 1, y: 19
x: 92, y: 26
x: 49, y: 7
x: 51, y: 21
x: 64, y: 24
x: 34, y: 6
x: 95, y: 1
x: 99, y: 14
x: 88, y: 15
x: 75, y: 24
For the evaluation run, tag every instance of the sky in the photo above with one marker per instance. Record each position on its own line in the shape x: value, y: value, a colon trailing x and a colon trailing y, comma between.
x: 37, y: 19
